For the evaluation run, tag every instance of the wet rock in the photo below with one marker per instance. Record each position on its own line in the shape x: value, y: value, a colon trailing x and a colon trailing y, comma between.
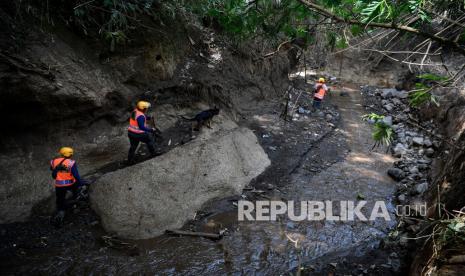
x: 328, y: 117
x: 396, y: 174
x: 388, y: 107
x: 424, y: 161
x: 167, y: 190
x: 429, y: 152
x: 418, y: 141
x: 396, y: 101
x: 388, y: 120
x: 427, y: 143
x: 399, y: 150
x: 414, y: 170
x: 387, y: 93
x: 403, y: 239
x: 421, y: 188
x: 402, y: 198
x: 302, y: 110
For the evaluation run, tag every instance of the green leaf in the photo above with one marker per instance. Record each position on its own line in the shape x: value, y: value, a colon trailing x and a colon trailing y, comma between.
x: 432, y: 77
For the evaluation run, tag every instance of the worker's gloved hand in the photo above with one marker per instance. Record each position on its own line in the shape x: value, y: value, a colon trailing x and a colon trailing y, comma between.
x: 83, y: 190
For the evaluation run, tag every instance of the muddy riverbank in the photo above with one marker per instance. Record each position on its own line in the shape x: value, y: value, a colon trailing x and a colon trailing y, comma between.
x: 315, y: 156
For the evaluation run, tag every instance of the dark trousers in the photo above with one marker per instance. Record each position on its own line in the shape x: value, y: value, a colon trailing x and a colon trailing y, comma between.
x: 317, y: 103
x: 135, y: 139
x: 60, y: 193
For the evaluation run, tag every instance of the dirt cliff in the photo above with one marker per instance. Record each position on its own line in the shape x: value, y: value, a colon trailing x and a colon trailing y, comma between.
x: 59, y: 88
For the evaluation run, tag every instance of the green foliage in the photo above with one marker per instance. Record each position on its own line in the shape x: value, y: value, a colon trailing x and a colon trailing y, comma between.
x: 382, y: 132
x: 373, y: 117
x: 422, y: 93
x: 421, y: 96
x: 244, y: 19
x: 377, y: 10
x: 431, y: 77
x: 448, y: 232
x: 115, y: 19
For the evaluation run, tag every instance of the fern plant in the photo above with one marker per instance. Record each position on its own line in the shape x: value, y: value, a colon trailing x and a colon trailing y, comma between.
x: 422, y: 92
x: 382, y: 132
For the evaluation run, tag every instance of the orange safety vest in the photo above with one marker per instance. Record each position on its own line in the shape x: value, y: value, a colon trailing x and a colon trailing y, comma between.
x: 320, y: 92
x: 64, y: 177
x: 133, y: 125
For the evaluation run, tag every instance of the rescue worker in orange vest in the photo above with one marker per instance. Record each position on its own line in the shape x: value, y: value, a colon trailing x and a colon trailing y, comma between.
x: 320, y: 90
x: 66, y: 175
x: 138, y: 131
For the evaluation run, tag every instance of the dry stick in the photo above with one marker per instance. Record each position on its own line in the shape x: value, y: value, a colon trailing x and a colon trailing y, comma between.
x: 277, y: 50
x: 454, y: 22
x: 422, y: 44
x: 426, y: 54
x: 406, y: 62
x: 327, y: 13
x: 194, y: 234
x: 382, y: 35
x: 285, y: 111
x: 402, y: 52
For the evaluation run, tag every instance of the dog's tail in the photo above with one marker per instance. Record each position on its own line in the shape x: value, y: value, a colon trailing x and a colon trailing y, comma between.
x: 187, y: 119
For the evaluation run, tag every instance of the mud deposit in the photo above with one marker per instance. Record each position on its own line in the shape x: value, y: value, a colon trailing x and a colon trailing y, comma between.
x: 316, y: 156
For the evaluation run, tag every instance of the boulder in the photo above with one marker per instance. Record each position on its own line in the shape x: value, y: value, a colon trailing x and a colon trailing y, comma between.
x: 399, y: 150
x: 427, y: 143
x: 430, y: 152
x: 387, y: 93
x: 418, y: 141
x: 389, y: 107
x: 396, y: 174
x: 421, y: 188
x: 144, y: 200
x: 414, y: 170
x: 388, y: 120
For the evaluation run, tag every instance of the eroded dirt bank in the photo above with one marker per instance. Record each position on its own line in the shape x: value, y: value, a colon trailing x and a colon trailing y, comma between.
x: 318, y: 156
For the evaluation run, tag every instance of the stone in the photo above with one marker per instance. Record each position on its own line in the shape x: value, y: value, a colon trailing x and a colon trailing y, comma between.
x: 427, y: 143
x: 429, y: 152
x: 396, y: 101
x: 399, y: 150
x: 388, y: 120
x: 396, y: 174
x: 414, y: 170
x: 388, y: 107
x: 418, y: 141
x: 421, y: 188
x: 144, y: 200
x: 401, y: 198
x: 387, y: 93
x: 402, y: 95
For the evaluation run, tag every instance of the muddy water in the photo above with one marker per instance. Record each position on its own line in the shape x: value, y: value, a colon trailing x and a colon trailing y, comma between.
x: 311, y: 160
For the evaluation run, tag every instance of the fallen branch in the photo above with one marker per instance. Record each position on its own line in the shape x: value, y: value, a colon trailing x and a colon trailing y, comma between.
x: 194, y: 234
x: 325, y: 12
x: 286, y: 44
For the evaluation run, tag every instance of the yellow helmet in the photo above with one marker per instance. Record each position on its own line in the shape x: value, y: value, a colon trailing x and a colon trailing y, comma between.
x: 322, y: 80
x: 66, y: 152
x: 143, y: 105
